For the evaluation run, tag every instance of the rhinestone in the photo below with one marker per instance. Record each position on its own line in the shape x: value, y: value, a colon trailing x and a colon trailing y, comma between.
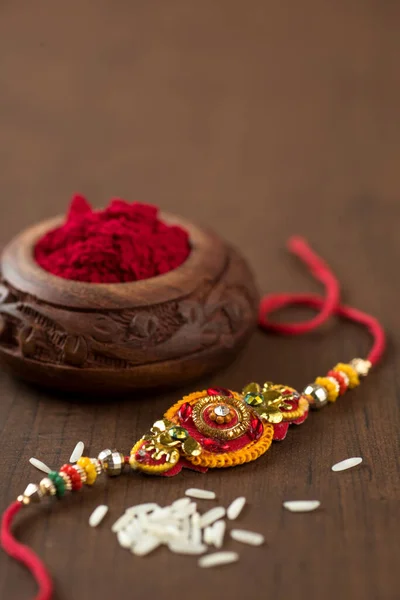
x: 178, y: 433
x: 222, y: 410
x: 253, y: 399
x: 185, y: 411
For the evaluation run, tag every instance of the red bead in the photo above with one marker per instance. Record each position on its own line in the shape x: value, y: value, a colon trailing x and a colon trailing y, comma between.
x: 185, y: 411
x: 340, y: 379
x: 219, y: 391
x: 76, y: 482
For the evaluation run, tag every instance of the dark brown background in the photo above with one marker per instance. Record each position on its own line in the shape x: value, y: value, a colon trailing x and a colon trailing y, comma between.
x: 262, y: 119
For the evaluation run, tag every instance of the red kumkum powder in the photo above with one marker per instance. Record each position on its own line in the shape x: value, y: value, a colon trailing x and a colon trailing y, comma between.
x: 124, y: 242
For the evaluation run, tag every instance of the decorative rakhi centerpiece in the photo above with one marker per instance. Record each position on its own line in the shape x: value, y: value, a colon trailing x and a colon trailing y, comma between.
x: 219, y: 428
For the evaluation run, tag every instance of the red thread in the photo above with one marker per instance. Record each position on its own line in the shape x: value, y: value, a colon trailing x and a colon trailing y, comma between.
x: 24, y: 554
x: 327, y: 306
x: 124, y: 242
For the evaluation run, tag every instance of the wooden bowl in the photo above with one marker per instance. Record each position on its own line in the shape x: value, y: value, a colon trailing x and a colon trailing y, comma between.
x: 166, y: 330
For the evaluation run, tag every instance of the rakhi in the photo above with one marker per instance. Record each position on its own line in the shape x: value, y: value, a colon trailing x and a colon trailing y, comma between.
x: 217, y: 427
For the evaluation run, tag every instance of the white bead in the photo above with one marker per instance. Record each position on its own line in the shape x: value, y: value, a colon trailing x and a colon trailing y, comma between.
x: 235, y: 508
x: 98, y: 515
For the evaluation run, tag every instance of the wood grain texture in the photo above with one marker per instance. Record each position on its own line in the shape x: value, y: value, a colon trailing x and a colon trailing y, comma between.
x: 261, y: 119
x: 109, y: 338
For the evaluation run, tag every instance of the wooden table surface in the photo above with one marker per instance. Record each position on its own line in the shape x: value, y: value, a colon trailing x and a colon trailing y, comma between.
x: 260, y: 119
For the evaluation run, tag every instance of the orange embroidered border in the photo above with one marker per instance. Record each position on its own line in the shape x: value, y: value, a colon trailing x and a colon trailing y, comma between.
x: 227, y: 459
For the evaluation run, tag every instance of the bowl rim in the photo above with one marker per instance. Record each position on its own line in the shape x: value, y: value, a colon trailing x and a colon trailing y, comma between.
x: 20, y: 269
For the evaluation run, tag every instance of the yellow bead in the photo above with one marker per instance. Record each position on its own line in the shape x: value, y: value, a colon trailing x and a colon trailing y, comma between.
x: 330, y: 387
x: 351, y: 373
x: 91, y: 474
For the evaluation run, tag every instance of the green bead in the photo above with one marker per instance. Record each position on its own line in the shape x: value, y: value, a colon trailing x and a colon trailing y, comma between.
x: 178, y: 433
x: 58, y: 482
x: 253, y: 399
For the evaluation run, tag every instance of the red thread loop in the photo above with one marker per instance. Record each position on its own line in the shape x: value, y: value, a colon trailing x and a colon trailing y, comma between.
x: 24, y: 554
x: 327, y: 305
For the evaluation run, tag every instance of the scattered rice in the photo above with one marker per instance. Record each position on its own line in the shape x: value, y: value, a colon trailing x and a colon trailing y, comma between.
x: 145, y: 545
x: 235, y: 508
x: 218, y: 558
x: 39, y: 465
x: 142, y: 508
x: 98, y: 515
x: 218, y: 533
x: 348, y: 463
x: 121, y: 522
x: 77, y: 452
x: 247, y: 537
x: 182, y: 547
x: 124, y: 539
x: 301, y: 505
x: 181, y: 528
x: 201, y: 494
x: 211, y: 516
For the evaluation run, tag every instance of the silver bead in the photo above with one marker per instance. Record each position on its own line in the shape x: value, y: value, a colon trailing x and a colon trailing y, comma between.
x: 361, y: 366
x: 104, y: 454
x: 113, y: 464
x: 317, y: 395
